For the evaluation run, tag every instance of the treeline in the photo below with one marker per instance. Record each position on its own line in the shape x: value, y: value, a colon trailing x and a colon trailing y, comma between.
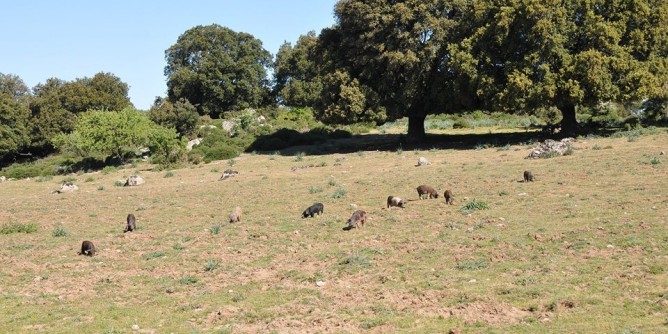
x: 574, y: 63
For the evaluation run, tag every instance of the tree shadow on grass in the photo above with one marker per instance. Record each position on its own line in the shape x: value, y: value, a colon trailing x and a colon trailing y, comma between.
x: 392, y: 142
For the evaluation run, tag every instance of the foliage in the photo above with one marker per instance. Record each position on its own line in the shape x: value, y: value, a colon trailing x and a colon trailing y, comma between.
x: 344, y: 100
x: 218, y: 145
x: 120, y: 135
x: 413, y: 58
x: 14, y: 128
x: 13, y: 86
x: 474, y: 205
x: 56, y: 104
x: 180, y: 115
x: 59, y: 232
x: 562, y: 55
x: 18, y: 228
x: 297, y: 82
x: 217, y: 70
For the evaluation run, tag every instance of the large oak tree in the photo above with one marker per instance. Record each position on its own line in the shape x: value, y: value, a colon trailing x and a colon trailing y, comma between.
x: 525, y: 54
x: 391, y: 51
x: 387, y: 58
x: 217, y: 70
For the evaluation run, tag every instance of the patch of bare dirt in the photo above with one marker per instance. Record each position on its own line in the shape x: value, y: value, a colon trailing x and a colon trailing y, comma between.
x: 489, y: 312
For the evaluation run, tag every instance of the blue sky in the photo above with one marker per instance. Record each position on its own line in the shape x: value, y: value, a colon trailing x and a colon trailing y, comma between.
x: 71, y: 39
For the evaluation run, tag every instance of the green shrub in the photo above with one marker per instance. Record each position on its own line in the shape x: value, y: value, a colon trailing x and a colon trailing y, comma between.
x: 153, y: 255
x: 220, y: 152
x: 472, y: 265
x: 215, y: 229
x: 59, y: 232
x: 339, y: 193
x: 473, y: 205
x: 462, y: 123
x: 188, y: 280
x: 18, y: 228
x: 211, y: 265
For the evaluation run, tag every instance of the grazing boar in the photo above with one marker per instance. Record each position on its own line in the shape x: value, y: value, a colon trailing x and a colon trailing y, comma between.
x: 448, y: 196
x: 312, y: 210
x: 427, y: 191
x: 235, y: 217
x: 87, y: 248
x: 357, y: 219
x: 395, y: 201
x: 131, y: 225
x: 528, y: 176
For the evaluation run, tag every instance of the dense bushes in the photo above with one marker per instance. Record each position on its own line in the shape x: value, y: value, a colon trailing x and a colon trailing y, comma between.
x: 120, y: 135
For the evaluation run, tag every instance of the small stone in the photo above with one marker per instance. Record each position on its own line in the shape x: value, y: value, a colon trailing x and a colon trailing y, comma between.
x: 135, y: 327
x: 662, y: 153
x: 320, y: 283
x: 502, y: 219
x: 473, y: 281
x: 610, y: 246
x: 523, y: 194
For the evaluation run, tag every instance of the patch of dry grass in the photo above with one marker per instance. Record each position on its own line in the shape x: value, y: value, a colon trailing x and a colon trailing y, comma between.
x: 582, y: 249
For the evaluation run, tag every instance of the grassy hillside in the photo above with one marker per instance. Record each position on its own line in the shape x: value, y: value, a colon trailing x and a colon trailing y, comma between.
x: 583, y: 249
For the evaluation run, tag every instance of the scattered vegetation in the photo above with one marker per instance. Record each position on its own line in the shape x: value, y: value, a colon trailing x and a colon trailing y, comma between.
x: 18, y: 228
x: 59, y: 232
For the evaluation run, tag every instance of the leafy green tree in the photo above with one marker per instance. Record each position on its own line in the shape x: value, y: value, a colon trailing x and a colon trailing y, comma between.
x: 296, y: 72
x: 56, y: 103
x: 14, y: 86
x: 394, y: 49
x: 119, y: 135
x: 524, y: 55
x: 180, y: 115
x: 345, y: 101
x: 217, y: 70
x: 14, y: 132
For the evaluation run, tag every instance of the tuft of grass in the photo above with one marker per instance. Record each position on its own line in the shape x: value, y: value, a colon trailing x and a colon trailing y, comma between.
x: 18, y: 228
x: 238, y: 297
x: 314, y: 190
x: 655, y: 161
x: 299, y: 156
x: 339, y: 193
x: 400, y: 151
x: 118, y: 183
x: 231, y: 162
x: 360, y: 153
x: 178, y: 246
x: 355, y: 260
x: 215, y: 229
x: 371, y: 323
x: 474, y: 205
x: 89, y: 179
x: 59, y: 232
x: 596, y: 147
x: 551, y: 154
x: 153, y: 255
x: 214, y: 170
x: 169, y: 174
x: 100, y: 188
x: 472, y: 265
x: 211, y: 265
x: 331, y: 182
x: 569, y: 150
x: 188, y: 280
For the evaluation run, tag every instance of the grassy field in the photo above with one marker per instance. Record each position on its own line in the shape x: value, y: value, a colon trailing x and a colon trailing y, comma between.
x: 583, y: 249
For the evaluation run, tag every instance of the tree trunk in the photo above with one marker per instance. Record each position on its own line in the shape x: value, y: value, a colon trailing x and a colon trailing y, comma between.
x: 416, y: 128
x: 569, y: 125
